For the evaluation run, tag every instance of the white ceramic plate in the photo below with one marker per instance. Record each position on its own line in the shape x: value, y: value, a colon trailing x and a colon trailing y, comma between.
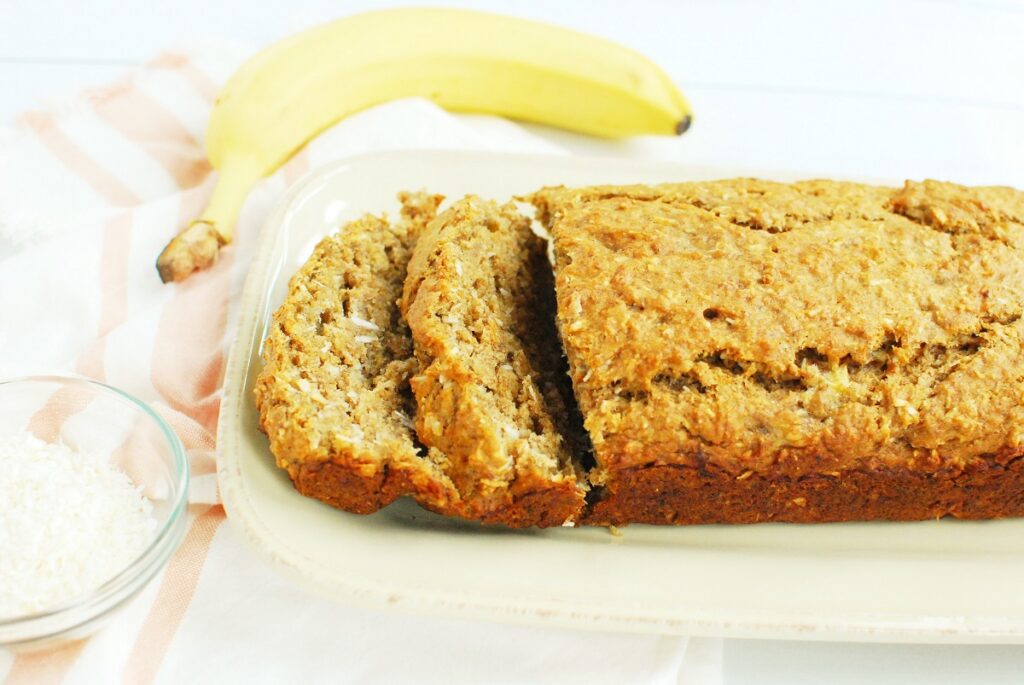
x: 914, y: 582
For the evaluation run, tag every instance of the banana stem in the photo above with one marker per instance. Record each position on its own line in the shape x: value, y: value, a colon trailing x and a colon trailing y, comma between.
x: 234, y: 181
x: 196, y: 247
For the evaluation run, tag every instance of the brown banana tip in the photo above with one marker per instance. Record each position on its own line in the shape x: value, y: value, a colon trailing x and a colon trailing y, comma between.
x: 194, y: 249
x: 163, y: 268
x: 684, y: 125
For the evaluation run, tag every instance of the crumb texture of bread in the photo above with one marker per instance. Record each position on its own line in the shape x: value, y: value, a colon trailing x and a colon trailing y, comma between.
x: 747, y: 350
x: 489, y: 389
x: 333, y: 394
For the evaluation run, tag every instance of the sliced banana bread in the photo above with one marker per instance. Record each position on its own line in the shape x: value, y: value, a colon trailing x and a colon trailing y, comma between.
x: 333, y: 395
x: 491, y: 378
x: 821, y: 351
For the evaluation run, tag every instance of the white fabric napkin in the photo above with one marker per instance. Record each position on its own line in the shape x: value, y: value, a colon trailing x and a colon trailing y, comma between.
x: 90, y: 191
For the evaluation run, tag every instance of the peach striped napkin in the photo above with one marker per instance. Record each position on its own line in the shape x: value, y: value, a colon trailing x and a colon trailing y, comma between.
x: 90, y: 191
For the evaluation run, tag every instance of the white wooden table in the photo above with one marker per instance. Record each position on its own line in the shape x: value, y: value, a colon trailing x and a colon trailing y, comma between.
x: 871, y: 88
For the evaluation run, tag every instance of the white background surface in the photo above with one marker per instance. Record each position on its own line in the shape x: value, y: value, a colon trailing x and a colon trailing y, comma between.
x: 910, y: 89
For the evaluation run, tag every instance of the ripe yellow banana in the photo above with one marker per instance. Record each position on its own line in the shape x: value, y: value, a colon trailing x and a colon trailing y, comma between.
x: 463, y: 61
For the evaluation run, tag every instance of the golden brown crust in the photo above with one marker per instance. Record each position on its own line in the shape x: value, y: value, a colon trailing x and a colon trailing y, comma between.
x: 486, y: 396
x: 778, y: 332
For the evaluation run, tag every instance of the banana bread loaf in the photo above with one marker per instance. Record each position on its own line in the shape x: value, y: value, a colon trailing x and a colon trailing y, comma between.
x: 750, y: 351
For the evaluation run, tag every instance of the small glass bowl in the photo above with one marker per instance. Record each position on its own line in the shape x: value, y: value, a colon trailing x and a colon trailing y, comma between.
x: 92, y: 417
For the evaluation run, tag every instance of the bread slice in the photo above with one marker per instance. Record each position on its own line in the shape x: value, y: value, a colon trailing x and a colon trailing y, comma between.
x: 333, y: 395
x: 747, y: 351
x: 489, y: 390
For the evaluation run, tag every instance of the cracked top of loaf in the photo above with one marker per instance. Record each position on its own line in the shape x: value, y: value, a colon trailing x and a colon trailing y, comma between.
x: 797, y: 328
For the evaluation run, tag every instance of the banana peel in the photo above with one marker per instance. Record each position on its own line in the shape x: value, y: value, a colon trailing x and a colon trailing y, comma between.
x: 462, y: 60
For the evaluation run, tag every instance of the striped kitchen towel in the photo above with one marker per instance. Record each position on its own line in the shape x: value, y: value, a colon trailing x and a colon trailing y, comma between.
x: 90, y: 192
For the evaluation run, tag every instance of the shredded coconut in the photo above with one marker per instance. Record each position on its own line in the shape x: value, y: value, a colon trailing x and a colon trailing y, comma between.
x: 69, y: 522
x: 363, y: 323
x: 403, y: 418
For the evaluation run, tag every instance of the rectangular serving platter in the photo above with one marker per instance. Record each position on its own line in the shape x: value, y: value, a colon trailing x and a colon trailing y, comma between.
x: 935, y: 581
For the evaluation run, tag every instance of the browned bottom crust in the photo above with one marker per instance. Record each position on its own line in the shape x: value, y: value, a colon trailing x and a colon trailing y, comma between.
x: 345, y: 488
x: 545, y: 508
x: 685, y: 495
x: 678, y: 495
